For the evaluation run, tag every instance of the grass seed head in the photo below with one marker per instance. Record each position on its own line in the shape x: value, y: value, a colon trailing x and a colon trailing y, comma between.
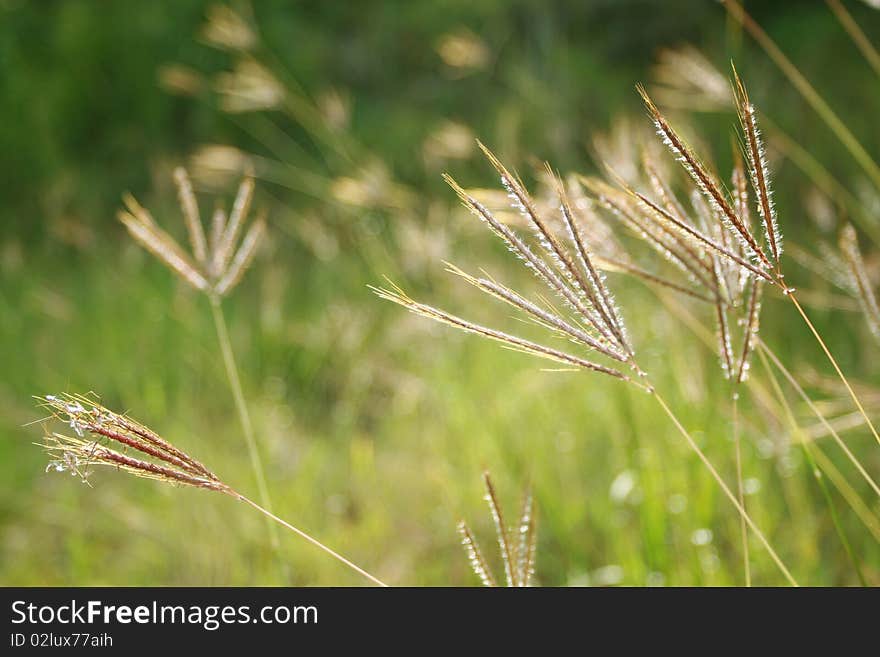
x: 218, y: 262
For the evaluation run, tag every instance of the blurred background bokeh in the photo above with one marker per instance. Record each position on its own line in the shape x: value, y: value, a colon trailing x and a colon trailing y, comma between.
x: 376, y: 426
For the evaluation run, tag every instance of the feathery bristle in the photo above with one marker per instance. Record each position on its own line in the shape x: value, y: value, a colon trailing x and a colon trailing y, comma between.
x: 656, y: 234
x: 218, y: 227
x: 694, y: 259
x: 724, y: 346
x: 594, y: 285
x: 219, y: 267
x: 750, y: 329
x: 525, y: 552
x: 699, y: 238
x: 517, y: 546
x: 550, y: 243
x: 739, y: 183
x: 547, y: 319
x: 610, y: 264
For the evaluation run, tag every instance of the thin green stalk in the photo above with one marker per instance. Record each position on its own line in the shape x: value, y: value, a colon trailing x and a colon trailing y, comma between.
x: 739, y: 487
x: 725, y: 488
x: 817, y: 473
x: 243, y: 415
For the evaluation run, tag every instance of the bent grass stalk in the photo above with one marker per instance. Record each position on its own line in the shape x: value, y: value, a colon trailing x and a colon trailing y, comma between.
x: 96, y: 427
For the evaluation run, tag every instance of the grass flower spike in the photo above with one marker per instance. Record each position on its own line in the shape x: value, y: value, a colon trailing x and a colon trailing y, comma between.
x: 106, y: 438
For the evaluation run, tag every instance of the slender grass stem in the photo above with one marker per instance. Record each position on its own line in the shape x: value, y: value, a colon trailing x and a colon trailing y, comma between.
x: 803, y: 395
x: 726, y: 489
x: 837, y: 369
x: 739, y: 486
x: 243, y: 415
x: 272, y: 517
x: 811, y: 462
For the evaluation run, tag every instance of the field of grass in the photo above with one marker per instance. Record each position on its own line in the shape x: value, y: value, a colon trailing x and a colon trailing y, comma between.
x: 374, y: 425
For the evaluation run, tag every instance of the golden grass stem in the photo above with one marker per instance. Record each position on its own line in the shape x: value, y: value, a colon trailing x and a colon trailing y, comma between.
x: 726, y: 489
x: 803, y: 395
x: 243, y: 415
x: 272, y: 517
x: 837, y: 369
x: 739, y: 487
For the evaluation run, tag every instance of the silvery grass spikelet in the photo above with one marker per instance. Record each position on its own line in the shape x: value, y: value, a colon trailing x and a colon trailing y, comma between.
x: 216, y: 265
x: 593, y: 321
x: 106, y: 438
x: 517, y: 544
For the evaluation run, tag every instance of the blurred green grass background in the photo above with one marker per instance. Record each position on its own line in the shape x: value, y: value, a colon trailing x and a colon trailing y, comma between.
x: 375, y: 426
